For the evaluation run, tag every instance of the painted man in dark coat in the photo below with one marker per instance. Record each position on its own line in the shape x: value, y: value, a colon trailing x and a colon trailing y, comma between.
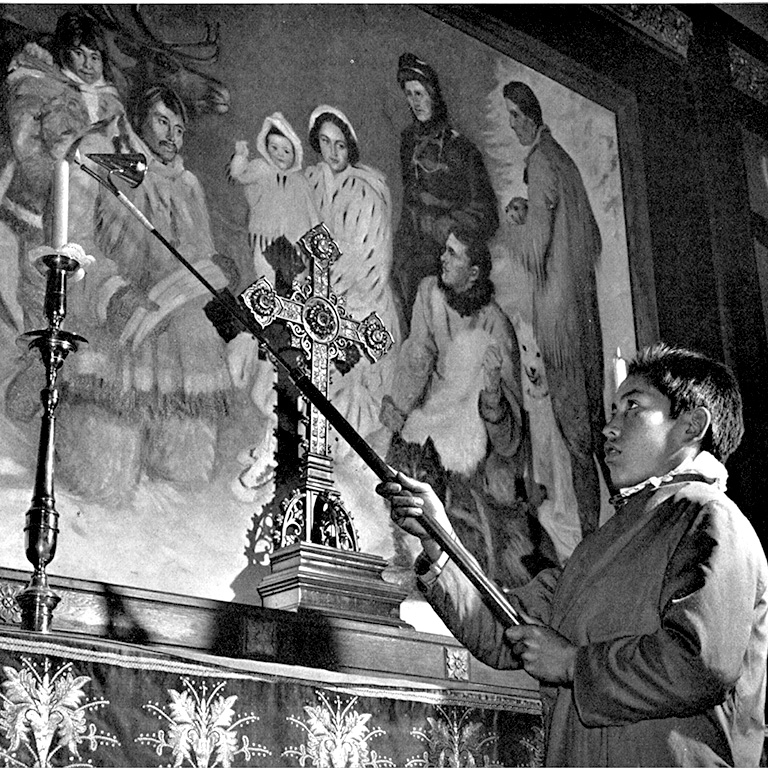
x: 445, y: 183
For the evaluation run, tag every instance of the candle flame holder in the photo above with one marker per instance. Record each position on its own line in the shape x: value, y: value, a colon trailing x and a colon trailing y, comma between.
x: 38, y: 601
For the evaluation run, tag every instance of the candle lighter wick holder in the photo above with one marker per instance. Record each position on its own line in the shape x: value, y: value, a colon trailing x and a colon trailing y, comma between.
x: 61, y: 265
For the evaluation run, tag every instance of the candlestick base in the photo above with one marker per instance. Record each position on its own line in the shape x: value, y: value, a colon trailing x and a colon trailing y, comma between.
x: 37, y: 603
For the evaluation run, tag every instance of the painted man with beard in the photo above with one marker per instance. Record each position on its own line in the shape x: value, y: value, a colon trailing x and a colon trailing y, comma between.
x: 149, y: 392
x: 457, y: 379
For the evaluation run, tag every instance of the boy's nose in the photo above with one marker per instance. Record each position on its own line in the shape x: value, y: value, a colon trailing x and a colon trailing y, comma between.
x: 611, y: 429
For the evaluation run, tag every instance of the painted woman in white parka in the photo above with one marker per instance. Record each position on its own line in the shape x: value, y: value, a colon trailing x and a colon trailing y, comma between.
x: 354, y: 202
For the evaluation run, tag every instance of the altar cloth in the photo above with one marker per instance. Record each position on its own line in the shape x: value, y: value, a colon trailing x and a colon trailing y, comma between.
x: 73, y: 701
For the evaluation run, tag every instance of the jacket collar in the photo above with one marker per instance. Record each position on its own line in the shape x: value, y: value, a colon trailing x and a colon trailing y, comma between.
x: 705, y: 465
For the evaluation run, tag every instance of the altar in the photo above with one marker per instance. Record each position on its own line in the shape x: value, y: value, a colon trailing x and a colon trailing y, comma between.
x: 134, y: 678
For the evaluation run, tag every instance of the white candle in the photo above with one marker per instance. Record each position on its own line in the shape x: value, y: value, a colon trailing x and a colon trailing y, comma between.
x: 60, y: 203
x: 619, y: 368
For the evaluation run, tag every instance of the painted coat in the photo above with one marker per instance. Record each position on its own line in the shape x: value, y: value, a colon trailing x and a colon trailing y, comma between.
x: 561, y: 251
x: 445, y: 182
x: 439, y: 379
x: 281, y: 205
x: 280, y: 202
x: 167, y: 357
x: 356, y: 206
x: 48, y: 110
x: 667, y: 603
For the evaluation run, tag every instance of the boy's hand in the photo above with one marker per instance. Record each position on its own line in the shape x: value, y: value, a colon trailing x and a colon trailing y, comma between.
x: 410, y: 499
x: 545, y: 654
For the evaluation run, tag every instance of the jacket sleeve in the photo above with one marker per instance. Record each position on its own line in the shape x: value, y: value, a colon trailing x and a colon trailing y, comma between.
x: 712, y: 585
x: 472, y: 623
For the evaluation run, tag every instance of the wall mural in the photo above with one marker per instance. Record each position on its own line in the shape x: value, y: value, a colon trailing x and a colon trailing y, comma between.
x: 396, y: 131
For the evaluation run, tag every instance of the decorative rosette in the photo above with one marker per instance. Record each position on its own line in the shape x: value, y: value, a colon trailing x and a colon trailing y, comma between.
x: 262, y: 301
x: 321, y: 320
x: 376, y: 338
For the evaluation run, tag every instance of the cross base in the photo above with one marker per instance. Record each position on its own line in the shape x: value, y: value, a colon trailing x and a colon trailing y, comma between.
x: 337, y: 582
x: 314, y: 511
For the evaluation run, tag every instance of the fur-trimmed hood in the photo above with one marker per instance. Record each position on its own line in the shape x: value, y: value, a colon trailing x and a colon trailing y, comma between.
x: 279, y: 122
x: 322, y: 109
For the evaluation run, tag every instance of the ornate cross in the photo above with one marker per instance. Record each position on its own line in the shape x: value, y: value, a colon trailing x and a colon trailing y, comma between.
x: 321, y: 328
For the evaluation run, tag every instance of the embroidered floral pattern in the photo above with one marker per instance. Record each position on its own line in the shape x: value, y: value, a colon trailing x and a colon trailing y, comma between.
x: 336, y: 737
x: 46, y: 712
x: 454, y: 740
x: 535, y: 747
x: 202, y: 729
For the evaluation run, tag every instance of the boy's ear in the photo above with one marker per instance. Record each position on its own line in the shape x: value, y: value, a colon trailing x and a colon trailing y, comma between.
x: 698, y: 422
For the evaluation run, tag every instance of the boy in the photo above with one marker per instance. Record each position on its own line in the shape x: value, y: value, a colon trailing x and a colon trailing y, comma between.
x: 651, y: 642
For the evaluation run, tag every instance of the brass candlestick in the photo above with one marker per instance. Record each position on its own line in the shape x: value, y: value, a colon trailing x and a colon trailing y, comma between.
x: 41, y: 531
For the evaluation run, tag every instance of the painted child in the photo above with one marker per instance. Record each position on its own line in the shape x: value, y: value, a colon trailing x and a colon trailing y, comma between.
x: 650, y: 643
x: 281, y: 211
x: 279, y: 197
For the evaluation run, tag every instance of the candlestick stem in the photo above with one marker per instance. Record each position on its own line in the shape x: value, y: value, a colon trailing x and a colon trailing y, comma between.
x: 38, y: 600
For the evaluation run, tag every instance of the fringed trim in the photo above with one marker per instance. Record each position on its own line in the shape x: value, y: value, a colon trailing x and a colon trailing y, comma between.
x: 559, y: 347
x: 90, y: 390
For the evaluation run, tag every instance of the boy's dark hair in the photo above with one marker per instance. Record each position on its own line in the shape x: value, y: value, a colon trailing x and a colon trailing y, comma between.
x: 353, y: 151
x: 691, y: 380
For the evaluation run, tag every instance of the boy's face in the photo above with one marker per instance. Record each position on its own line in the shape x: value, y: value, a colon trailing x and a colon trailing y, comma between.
x: 280, y: 150
x: 642, y: 440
